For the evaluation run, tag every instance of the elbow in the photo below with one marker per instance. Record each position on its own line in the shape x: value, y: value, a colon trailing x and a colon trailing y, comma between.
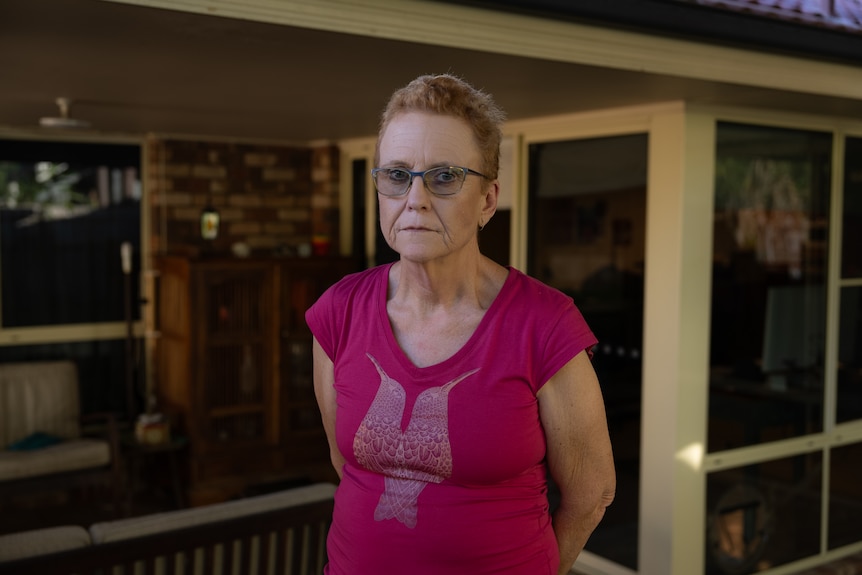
x: 602, y: 500
x: 602, y: 496
x: 607, y: 491
x: 588, y: 506
x: 605, y: 500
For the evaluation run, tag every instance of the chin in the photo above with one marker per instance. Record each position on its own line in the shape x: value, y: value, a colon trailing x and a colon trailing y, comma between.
x: 419, y: 254
x: 418, y: 258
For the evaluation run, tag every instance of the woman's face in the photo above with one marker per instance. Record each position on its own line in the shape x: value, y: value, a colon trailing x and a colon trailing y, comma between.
x: 418, y: 225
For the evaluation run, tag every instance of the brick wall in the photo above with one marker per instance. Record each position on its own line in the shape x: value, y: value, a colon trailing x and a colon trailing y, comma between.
x: 272, y: 198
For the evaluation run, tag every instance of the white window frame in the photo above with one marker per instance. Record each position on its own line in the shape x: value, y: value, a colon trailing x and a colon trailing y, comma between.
x: 79, y: 332
x: 677, y: 303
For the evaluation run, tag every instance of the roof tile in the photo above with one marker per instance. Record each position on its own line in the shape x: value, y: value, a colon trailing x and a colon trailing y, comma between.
x: 845, y: 15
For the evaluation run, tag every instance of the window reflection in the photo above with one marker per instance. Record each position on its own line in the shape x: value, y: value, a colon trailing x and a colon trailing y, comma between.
x: 587, y: 238
x: 762, y: 516
x: 768, y: 301
x: 851, y: 255
x: 845, y: 496
x: 65, y: 209
x: 849, y: 404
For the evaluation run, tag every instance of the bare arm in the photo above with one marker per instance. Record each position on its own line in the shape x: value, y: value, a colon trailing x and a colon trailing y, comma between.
x: 579, y: 454
x: 324, y: 391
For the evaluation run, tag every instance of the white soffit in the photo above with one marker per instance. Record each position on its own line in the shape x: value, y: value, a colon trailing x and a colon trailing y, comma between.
x: 518, y: 35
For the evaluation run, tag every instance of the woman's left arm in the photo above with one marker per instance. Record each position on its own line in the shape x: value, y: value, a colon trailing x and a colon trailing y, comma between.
x: 580, y: 458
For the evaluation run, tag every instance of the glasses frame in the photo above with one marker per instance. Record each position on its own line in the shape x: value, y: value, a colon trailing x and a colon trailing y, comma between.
x: 422, y: 173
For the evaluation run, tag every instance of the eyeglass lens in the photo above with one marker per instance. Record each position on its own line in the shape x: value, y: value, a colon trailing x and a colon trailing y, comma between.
x: 443, y: 181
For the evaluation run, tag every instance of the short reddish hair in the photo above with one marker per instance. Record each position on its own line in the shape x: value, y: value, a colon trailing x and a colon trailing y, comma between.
x: 448, y: 95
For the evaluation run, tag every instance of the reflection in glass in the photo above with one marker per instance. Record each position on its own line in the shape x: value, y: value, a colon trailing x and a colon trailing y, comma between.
x: 587, y: 234
x: 762, y: 516
x: 65, y: 210
x: 851, y: 254
x: 845, y: 496
x: 849, y: 404
x: 740, y: 525
x: 769, y: 271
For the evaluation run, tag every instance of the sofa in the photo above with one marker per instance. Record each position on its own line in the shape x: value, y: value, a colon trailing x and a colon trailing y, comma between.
x: 281, y: 533
x: 43, y: 434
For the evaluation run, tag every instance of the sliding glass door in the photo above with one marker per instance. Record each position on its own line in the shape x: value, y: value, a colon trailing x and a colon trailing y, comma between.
x: 586, y: 230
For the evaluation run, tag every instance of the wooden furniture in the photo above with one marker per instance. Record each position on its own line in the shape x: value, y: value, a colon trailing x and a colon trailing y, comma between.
x: 164, y: 457
x: 46, y: 443
x: 234, y: 367
x: 283, y: 532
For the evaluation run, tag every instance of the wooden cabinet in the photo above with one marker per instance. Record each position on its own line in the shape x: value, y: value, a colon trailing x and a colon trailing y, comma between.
x: 234, y: 369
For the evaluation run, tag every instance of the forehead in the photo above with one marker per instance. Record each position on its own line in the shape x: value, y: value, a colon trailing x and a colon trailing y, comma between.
x: 415, y: 136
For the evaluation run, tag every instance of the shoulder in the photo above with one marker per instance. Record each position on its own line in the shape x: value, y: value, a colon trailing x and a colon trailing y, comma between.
x: 535, y: 293
x: 357, y: 282
x: 550, y: 328
x: 547, y: 309
x: 350, y: 291
x: 362, y: 278
x: 352, y: 296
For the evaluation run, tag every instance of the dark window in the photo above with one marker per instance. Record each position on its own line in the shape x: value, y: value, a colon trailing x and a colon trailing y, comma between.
x: 772, y: 189
x: 65, y: 210
x: 763, y: 515
x: 587, y: 233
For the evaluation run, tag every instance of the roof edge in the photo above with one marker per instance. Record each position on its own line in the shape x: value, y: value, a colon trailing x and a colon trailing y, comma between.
x: 697, y: 22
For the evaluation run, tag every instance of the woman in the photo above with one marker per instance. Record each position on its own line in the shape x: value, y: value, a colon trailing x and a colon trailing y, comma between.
x: 447, y: 382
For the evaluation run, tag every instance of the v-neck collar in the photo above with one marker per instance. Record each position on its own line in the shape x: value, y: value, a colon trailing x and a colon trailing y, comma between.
x: 458, y: 356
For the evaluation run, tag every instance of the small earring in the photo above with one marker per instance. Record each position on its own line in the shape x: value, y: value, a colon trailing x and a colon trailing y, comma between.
x: 481, y: 226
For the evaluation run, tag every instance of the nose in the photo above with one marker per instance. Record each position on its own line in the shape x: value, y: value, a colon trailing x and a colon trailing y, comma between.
x: 417, y: 193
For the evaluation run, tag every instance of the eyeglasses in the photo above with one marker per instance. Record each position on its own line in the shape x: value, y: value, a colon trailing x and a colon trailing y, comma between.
x: 442, y: 181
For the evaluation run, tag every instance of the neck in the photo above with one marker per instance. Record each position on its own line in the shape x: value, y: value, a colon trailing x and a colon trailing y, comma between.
x: 436, y: 285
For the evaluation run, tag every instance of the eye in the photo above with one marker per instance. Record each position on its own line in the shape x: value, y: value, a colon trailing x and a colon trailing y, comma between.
x: 447, y: 176
x: 397, y: 176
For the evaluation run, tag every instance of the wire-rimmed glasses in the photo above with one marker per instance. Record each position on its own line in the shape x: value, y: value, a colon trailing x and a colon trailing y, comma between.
x: 440, y: 181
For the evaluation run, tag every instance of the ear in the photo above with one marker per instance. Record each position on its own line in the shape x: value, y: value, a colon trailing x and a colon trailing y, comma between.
x: 489, y: 200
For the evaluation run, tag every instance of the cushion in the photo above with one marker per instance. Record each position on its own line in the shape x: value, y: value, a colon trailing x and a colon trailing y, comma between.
x: 36, y: 440
x: 158, y: 522
x: 69, y: 455
x: 42, y: 541
x: 39, y: 396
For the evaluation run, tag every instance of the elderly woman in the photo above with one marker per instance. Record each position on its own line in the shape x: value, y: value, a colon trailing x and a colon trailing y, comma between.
x: 447, y: 383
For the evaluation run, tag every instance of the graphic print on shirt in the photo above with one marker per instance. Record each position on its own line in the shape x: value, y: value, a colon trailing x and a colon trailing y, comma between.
x: 411, y: 459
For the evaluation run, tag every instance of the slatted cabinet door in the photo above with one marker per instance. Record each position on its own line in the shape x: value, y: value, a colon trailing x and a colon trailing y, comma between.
x: 302, y: 283
x: 235, y: 356
x: 233, y: 367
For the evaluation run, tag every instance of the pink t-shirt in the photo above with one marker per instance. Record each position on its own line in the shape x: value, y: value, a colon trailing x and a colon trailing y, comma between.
x: 444, y: 469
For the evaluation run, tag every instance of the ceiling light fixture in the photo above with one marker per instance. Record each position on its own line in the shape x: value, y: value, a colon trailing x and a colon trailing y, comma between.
x: 63, y: 120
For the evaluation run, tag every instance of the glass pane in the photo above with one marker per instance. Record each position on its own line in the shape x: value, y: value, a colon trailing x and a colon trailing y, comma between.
x: 495, y: 238
x: 845, y: 496
x: 849, y: 404
x: 763, y: 515
x: 359, y: 171
x: 587, y: 238
x: 851, y: 255
x: 768, y: 286
x: 65, y: 209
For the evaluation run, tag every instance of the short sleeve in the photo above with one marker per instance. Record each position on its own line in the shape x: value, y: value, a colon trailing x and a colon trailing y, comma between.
x: 568, y: 337
x: 331, y: 313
